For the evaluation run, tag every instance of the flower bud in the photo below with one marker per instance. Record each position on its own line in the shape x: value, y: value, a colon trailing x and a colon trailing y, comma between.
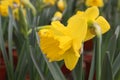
x: 61, y: 5
x: 57, y: 16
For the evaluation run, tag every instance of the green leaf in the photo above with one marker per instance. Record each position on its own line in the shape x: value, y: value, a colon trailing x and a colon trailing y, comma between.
x: 55, y: 70
x: 4, y: 53
x: 78, y: 72
x: 92, y: 68
x: 117, y: 76
x: 113, y: 43
x: 32, y: 50
x: 22, y: 64
x: 23, y: 23
x: 116, y: 65
x: 106, y: 69
x: 10, y: 42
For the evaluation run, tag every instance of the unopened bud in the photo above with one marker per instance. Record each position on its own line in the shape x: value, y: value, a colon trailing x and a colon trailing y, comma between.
x: 57, y: 16
x: 61, y: 5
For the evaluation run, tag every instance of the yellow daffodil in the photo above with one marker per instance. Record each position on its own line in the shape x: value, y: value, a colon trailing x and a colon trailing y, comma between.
x: 4, y: 4
x: 4, y: 7
x: 15, y: 5
x: 64, y: 43
x: 92, y: 16
x: 57, y: 16
x: 51, y: 2
x: 61, y: 5
x: 98, y: 3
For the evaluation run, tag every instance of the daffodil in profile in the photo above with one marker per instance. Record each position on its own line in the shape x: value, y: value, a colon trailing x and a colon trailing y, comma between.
x: 61, y: 42
x: 92, y: 16
x: 98, y: 3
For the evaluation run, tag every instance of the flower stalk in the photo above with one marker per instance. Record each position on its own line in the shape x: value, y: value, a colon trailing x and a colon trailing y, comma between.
x: 98, y: 51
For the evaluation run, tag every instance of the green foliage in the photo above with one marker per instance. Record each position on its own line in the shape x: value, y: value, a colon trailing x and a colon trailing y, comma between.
x: 33, y: 63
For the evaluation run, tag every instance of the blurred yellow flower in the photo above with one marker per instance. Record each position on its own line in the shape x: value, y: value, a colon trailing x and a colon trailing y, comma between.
x: 98, y: 3
x: 92, y: 16
x: 61, y: 5
x: 57, y: 16
x: 51, y: 2
x: 4, y: 4
x: 15, y: 5
x: 64, y: 43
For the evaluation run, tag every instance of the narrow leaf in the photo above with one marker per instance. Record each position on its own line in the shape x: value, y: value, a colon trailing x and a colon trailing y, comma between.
x: 4, y: 53
x: 106, y: 69
x: 78, y: 72
x: 55, y: 70
x: 92, y: 68
x: 116, y: 65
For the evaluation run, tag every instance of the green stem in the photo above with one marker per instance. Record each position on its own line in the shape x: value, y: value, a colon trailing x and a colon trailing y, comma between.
x: 37, y: 29
x: 98, y: 51
x: 98, y: 58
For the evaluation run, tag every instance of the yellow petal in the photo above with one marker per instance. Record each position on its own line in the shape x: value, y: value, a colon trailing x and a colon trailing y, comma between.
x: 92, y: 13
x: 49, y: 45
x: 103, y: 24
x: 65, y: 42
x: 58, y: 28
x: 89, y: 35
x: 70, y: 59
x: 80, y: 12
x: 77, y: 27
x: 54, y: 45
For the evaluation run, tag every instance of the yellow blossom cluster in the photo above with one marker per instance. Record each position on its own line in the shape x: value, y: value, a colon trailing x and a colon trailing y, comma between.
x: 4, y: 4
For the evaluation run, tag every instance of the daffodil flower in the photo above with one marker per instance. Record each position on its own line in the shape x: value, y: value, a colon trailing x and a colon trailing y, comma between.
x: 92, y: 16
x: 4, y: 7
x: 64, y: 43
x: 4, y: 4
x: 15, y: 5
x: 98, y: 3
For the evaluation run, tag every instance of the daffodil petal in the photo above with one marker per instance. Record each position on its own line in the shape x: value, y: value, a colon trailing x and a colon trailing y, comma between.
x: 77, y: 27
x: 58, y: 28
x: 89, y: 35
x: 65, y: 42
x: 103, y: 24
x: 70, y: 59
x: 80, y: 12
x: 92, y: 13
x: 49, y: 45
